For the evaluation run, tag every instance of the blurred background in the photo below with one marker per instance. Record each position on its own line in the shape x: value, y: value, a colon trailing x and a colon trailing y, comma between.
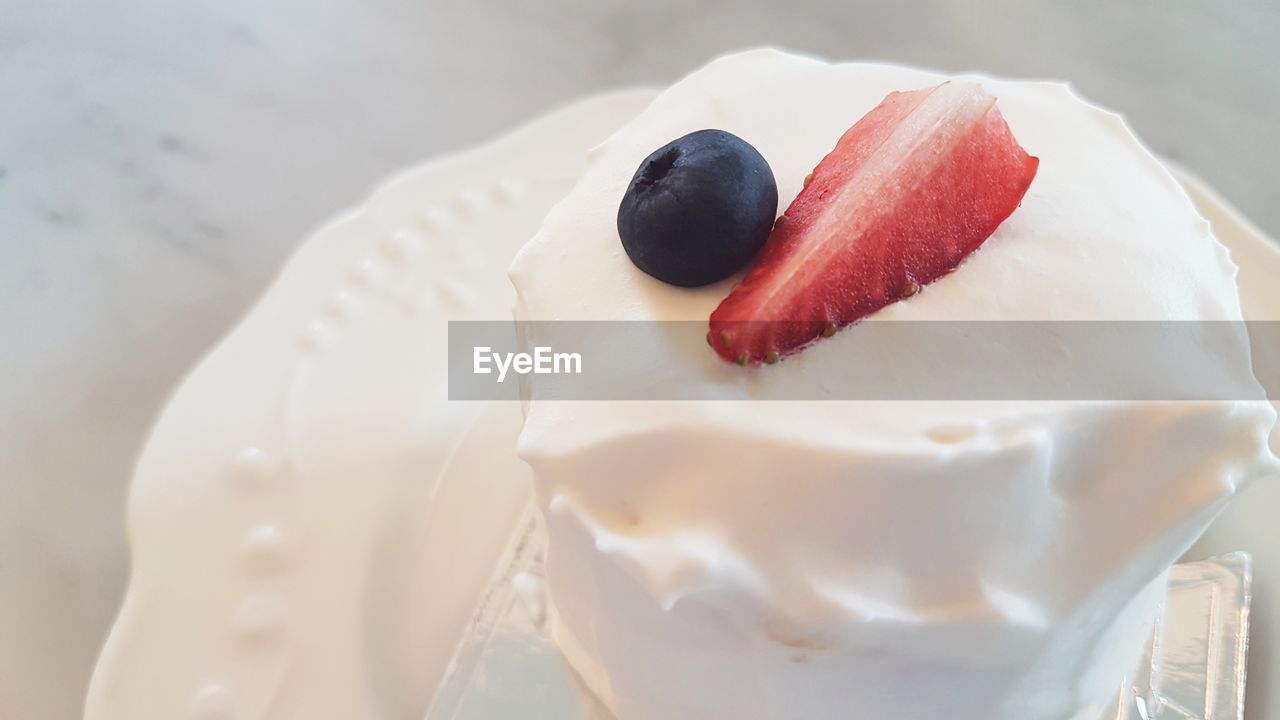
x: 159, y: 160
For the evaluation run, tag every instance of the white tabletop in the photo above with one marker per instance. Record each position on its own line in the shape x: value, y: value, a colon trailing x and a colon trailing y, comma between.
x: 158, y: 160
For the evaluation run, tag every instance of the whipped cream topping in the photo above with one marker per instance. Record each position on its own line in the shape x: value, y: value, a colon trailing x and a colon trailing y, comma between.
x: 763, y: 559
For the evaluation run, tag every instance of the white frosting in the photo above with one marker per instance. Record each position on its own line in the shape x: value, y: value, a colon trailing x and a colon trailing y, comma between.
x: 765, y: 560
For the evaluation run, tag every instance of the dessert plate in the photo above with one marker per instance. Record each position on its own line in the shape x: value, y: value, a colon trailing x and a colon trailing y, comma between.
x: 311, y: 521
x: 313, y: 525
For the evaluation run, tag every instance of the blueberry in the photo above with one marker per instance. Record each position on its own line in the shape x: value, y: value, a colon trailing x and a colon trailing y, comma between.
x: 698, y: 209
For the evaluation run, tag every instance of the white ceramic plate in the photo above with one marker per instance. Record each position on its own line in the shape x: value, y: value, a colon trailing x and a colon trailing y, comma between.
x: 283, y: 566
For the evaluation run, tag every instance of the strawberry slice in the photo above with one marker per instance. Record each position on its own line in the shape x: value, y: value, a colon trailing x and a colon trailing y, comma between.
x: 909, y: 192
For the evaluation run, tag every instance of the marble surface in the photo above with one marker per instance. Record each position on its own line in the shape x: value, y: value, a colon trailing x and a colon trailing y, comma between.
x: 159, y: 160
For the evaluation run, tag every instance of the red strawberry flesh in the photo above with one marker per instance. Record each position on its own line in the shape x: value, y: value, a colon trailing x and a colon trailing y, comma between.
x: 909, y: 192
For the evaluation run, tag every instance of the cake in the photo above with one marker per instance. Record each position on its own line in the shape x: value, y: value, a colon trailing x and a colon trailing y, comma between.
x: 761, y: 557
